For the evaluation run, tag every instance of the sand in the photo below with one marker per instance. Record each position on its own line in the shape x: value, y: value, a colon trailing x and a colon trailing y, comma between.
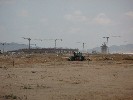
x: 52, y: 77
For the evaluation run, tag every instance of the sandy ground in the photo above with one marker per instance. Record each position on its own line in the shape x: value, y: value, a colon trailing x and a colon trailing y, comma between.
x: 51, y: 77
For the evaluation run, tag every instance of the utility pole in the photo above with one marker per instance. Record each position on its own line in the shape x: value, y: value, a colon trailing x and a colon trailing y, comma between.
x: 29, y: 39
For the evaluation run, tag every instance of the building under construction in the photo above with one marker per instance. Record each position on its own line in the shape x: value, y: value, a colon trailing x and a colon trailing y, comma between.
x: 45, y: 50
x: 104, y: 49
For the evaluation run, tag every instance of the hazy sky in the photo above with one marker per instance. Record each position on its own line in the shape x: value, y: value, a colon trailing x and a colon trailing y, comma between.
x: 71, y: 20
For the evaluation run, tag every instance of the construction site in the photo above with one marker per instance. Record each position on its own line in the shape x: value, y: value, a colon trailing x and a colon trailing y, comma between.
x: 65, y: 74
x: 66, y: 49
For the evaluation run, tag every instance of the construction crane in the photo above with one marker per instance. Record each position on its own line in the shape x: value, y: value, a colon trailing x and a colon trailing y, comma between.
x: 29, y: 39
x: 116, y: 36
x: 55, y: 40
x: 41, y: 39
x: 82, y: 44
x: 38, y: 39
x: 107, y: 38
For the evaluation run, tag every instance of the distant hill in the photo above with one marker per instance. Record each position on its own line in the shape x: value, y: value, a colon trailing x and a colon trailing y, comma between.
x: 12, y: 46
x: 116, y: 49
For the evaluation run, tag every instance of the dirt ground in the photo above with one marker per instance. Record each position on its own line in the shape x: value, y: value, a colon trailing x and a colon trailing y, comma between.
x: 52, y: 77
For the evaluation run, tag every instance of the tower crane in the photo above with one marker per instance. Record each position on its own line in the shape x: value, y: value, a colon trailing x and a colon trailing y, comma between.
x: 38, y: 39
x: 83, y: 44
x: 55, y: 40
x: 41, y: 39
x: 116, y: 36
x: 107, y: 38
x: 29, y: 39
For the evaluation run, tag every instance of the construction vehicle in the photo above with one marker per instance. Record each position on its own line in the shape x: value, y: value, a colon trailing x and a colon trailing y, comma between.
x: 76, y: 57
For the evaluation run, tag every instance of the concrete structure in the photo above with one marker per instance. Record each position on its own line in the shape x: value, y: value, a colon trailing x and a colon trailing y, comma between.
x: 46, y: 50
x: 104, y: 48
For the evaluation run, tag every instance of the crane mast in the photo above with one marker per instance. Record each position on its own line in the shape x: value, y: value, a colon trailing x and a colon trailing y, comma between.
x: 56, y: 41
x: 29, y: 39
x: 83, y: 44
x: 107, y: 38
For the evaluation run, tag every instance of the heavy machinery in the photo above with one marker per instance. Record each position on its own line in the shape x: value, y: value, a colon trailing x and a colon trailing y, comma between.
x: 76, y: 57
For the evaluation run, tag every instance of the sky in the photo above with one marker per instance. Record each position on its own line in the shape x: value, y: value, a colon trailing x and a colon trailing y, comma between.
x: 74, y: 21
